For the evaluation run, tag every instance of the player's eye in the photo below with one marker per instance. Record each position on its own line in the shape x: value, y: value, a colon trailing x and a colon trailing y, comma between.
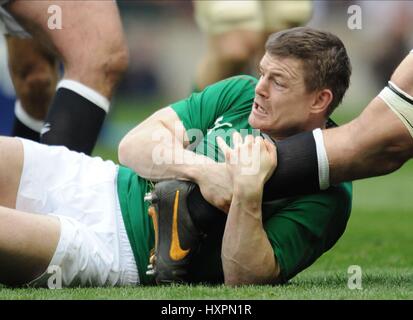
x: 278, y: 83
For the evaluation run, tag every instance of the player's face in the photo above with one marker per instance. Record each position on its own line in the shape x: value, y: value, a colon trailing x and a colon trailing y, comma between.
x: 282, y: 104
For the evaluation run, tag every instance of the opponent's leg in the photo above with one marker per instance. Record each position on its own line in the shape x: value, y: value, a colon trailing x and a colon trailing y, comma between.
x: 227, y: 55
x: 34, y: 72
x: 281, y: 15
x: 27, y: 241
x: 377, y: 142
x: 233, y: 30
x: 79, y: 190
x: 11, y: 166
x: 27, y: 244
x: 93, y: 49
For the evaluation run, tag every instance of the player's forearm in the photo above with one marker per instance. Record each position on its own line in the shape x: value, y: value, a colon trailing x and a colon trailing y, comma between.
x: 155, y: 154
x: 247, y: 255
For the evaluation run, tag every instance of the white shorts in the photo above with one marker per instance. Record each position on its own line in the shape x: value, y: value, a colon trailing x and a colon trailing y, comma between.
x: 215, y: 17
x: 11, y: 26
x: 93, y: 248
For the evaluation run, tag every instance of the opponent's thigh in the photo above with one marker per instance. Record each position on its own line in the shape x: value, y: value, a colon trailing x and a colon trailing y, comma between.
x: 11, y: 165
x: 280, y: 15
x: 84, y: 23
x: 27, y: 244
x: 218, y: 17
x: 373, y: 144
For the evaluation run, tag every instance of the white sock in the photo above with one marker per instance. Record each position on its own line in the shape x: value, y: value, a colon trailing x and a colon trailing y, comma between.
x: 86, y: 92
x: 323, y: 165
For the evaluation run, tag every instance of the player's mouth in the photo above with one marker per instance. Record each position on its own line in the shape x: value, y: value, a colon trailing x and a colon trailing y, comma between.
x: 259, y: 110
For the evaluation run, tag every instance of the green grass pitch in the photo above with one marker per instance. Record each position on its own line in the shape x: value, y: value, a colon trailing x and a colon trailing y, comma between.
x: 378, y: 238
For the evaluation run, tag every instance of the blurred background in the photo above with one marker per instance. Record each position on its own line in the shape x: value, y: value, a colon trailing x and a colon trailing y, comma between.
x: 165, y: 47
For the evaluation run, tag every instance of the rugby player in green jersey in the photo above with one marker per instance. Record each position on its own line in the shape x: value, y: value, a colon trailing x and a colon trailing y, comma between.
x: 304, y: 75
x: 85, y: 218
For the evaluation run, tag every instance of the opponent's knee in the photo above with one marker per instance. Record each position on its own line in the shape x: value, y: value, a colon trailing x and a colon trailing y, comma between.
x: 115, y: 63
x: 103, y: 71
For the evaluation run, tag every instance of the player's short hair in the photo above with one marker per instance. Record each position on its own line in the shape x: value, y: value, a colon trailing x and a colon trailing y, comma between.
x: 325, y: 60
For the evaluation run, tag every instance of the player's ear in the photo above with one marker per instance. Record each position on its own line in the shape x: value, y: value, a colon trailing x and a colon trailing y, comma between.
x: 322, y: 100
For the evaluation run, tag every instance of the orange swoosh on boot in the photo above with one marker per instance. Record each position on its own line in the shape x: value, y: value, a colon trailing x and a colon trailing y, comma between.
x: 176, y: 252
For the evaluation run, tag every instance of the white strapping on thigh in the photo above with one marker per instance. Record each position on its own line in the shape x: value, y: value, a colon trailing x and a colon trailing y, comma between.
x: 400, y: 107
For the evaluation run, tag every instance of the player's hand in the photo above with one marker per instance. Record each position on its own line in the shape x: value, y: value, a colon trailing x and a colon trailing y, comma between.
x: 215, y: 184
x: 251, y: 162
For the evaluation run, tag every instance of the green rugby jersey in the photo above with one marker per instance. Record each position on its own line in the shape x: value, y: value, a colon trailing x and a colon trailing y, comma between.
x: 300, y: 229
x: 139, y: 228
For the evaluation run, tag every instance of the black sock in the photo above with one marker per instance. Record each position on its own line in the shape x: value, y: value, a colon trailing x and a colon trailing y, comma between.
x: 25, y: 126
x: 23, y: 131
x: 73, y: 121
x: 296, y: 174
x: 204, y: 215
x: 297, y: 168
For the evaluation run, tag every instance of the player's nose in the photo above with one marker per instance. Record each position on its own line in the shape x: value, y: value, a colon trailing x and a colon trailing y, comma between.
x: 261, y: 88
